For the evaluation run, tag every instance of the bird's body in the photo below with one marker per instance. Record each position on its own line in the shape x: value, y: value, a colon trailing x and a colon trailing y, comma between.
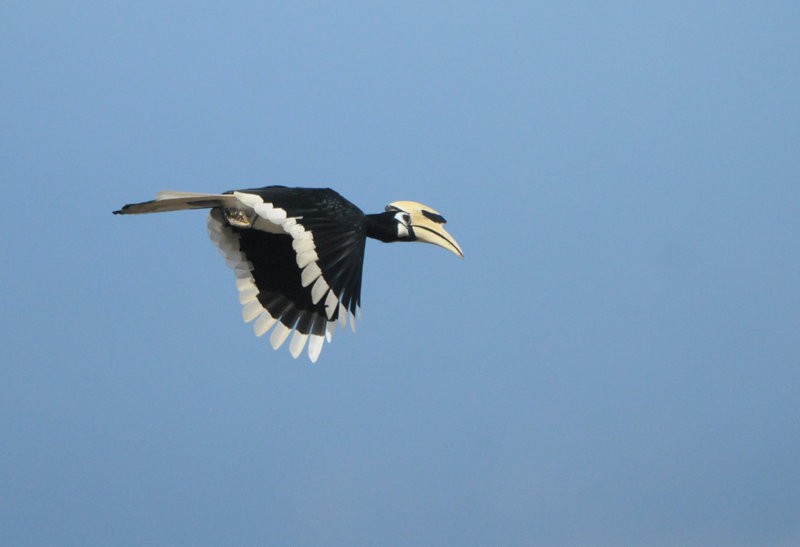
x: 298, y: 253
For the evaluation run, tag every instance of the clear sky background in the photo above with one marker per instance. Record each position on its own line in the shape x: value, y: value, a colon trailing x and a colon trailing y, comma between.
x: 616, y: 360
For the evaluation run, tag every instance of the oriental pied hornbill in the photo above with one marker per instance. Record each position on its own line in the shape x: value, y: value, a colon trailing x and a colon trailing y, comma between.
x: 298, y: 253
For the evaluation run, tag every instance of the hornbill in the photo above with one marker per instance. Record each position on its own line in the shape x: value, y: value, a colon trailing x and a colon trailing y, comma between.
x: 298, y: 253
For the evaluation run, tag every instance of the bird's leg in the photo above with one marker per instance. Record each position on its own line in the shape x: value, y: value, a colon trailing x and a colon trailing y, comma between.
x: 238, y: 218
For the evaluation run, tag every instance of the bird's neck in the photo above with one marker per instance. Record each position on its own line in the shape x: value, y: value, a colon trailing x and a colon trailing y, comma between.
x: 382, y: 226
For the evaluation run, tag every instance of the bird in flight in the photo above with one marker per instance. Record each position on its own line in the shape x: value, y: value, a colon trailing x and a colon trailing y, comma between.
x: 298, y: 253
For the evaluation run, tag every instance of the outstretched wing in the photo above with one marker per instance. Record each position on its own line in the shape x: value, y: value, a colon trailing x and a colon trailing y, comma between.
x: 297, y: 254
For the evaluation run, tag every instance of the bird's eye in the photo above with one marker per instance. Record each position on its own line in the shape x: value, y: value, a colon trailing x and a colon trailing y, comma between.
x: 403, y: 224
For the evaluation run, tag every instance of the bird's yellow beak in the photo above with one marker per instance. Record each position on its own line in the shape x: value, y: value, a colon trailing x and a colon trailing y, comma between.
x: 428, y: 225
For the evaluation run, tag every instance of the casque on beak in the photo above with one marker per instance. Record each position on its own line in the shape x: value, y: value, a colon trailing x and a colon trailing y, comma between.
x: 428, y: 225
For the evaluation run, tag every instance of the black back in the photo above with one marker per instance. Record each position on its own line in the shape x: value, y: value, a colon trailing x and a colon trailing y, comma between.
x: 338, y: 231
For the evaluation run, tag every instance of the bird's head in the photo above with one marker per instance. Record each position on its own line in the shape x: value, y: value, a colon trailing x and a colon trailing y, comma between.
x: 418, y: 222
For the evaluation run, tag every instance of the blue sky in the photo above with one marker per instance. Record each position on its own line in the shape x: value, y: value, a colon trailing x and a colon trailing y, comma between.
x: 616, y: 360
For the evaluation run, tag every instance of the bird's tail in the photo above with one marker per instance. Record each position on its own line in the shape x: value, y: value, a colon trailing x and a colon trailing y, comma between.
x: 177, y: 201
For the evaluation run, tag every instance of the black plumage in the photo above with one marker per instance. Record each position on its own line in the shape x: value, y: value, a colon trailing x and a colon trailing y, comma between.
x: 298, y: 253
x: 339, y: 234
